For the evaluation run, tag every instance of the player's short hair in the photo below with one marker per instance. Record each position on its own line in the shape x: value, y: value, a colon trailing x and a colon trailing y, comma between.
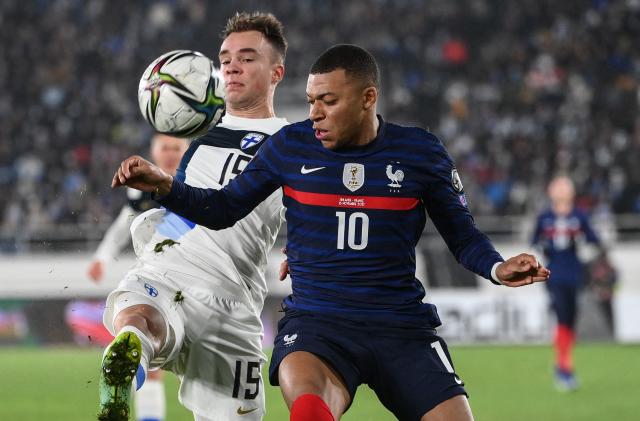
x: 356, y: 62
x: 265, y: 23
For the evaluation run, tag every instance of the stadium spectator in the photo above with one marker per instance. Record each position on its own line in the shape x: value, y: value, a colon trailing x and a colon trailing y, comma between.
x: 520, y: 91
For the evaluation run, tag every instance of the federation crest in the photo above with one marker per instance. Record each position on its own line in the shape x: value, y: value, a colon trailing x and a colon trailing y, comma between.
x: 353, y: 176
x: 396, y: 177
x: 251, y: 139
x: 151, y: 290
x: 455, y: 181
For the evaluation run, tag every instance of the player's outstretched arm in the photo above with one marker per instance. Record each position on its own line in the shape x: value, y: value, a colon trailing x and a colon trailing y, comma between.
x: 140, y: 174
x: 523, y: 269
x: 211, y: 208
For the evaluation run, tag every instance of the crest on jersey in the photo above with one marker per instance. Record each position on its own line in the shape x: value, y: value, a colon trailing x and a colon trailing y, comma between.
x: 396, y: 177
x: 353, y: 176
x: 455, y: 181
x: 151, y: 290
x: 251, y: 139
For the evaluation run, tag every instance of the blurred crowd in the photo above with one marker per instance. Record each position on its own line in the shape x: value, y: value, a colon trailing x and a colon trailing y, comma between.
x: 518, y: 91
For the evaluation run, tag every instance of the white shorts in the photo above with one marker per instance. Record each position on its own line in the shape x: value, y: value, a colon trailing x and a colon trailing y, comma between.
x: 218, y: 344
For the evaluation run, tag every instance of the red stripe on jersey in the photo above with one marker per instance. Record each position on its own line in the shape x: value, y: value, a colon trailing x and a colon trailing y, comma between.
x: 342, y: 201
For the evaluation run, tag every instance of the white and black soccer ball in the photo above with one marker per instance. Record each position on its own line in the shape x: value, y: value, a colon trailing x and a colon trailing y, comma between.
x: 181, y: 94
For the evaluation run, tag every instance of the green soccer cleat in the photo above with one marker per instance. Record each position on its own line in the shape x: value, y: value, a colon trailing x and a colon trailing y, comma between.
x: 119, y: 366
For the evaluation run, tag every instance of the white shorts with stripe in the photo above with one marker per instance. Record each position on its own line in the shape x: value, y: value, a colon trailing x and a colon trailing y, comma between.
x: 215, y: 343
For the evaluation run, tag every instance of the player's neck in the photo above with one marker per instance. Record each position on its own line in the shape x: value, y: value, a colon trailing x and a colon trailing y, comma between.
x: 369, y: 131
x: 252, y: 112
x: 562, y: 208
x: 258, y: 109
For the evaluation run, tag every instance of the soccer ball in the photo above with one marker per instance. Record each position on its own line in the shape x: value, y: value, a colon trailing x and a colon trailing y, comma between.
x: 181, y: 94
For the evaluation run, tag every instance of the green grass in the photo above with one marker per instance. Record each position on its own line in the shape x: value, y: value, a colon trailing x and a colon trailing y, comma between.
x: 505, y: 383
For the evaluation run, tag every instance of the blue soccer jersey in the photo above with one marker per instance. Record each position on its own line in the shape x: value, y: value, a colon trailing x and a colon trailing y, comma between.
x: 558, y: 236
x: 353, y: 217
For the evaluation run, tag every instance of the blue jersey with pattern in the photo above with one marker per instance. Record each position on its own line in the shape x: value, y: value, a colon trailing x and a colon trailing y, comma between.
x: 353, y: 218
x: 559, y: 238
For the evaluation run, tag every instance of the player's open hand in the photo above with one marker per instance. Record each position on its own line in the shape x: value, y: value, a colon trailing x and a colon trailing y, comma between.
x: 138, y: 173
x: 523, y: 269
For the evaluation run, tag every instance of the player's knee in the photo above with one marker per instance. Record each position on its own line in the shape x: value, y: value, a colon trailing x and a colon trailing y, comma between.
x: 144, y: 317
x: 310, y: 407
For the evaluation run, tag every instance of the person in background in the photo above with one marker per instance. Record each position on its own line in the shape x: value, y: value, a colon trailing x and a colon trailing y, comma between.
x: 602, y: 280
x: 149, y: 401
x: 559, y: 231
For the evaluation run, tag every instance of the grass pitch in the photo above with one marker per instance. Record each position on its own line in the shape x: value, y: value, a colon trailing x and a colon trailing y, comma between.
x: 505, y: 383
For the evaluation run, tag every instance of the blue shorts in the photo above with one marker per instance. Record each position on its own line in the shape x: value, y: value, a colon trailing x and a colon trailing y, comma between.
x: 410, y: 370
x: 564, y: 302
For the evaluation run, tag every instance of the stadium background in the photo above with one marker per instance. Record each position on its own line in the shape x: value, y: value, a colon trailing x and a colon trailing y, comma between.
x: 518, y: 91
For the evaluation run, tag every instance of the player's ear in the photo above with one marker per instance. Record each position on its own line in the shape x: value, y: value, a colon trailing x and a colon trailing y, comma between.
x: 370, y: 97
x: 277, y: 73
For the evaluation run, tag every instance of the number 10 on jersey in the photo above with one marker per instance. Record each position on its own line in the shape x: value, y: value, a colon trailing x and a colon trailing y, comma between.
x: 347, y: 228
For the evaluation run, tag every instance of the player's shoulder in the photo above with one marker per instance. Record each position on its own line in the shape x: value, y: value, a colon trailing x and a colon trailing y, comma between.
x: 546, y: 213
x: 580, y: 214
x: 298, y: 132
x: 410, y: 132
x: 419, y: 137
x: 297, y: 129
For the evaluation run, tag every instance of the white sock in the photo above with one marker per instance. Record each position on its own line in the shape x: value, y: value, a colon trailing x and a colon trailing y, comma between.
x: 149, y: 401
x: 147, y: 350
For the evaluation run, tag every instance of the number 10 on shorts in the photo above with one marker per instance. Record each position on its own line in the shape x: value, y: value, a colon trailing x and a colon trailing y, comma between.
x: 252, y: 378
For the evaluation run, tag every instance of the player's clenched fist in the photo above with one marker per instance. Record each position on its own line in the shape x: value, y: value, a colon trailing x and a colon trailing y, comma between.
x: 140, y: 174
x: 523, y: 269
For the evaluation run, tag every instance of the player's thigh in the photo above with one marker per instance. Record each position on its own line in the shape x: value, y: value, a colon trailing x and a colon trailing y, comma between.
x: 564, y: 303
x: 302, y: 372
x: 317, y: 355
x: 415, y: 375
x: 220, y: 367
x: 453, y: 409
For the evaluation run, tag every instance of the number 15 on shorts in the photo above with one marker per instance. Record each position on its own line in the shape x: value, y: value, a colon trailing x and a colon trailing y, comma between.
x: 251, y: 385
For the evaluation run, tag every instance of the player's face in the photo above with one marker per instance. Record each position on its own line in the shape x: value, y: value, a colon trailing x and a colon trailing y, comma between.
x: 561, y: 193
x: 167, y: 151
x: 249, y: 68
x: 338, y: 107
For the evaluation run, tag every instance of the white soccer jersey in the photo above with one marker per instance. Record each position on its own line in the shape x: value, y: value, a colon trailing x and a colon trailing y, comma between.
x: 229, y: 263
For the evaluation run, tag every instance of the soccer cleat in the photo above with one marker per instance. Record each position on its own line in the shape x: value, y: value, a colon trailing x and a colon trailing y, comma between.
x: 119, y: 366
x: 565, y: 380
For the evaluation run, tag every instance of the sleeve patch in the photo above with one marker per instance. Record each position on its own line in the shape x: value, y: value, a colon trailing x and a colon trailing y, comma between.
x: 455, y: 181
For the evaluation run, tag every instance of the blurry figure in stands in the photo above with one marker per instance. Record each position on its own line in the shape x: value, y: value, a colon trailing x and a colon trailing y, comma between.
x: 558, y: 233
x: 85, y: 318
x: 166, y: 152
x: 602, y: 279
